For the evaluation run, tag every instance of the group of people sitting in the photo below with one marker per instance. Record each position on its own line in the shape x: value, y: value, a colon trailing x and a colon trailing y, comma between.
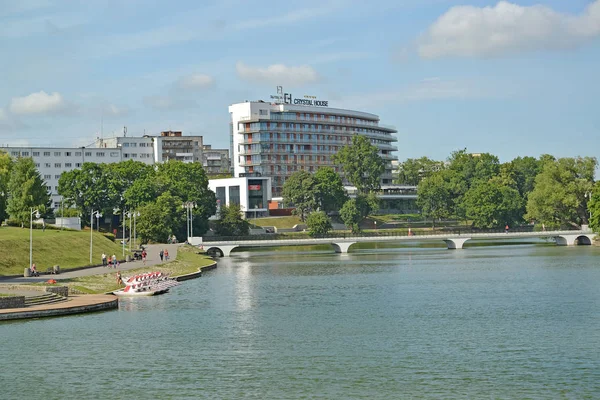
x: 33, y: 270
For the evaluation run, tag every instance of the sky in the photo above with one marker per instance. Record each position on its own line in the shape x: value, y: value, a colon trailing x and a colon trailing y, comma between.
x: 511, y: 78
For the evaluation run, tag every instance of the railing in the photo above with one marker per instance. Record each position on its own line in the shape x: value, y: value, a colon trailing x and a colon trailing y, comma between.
x: 384, y: 233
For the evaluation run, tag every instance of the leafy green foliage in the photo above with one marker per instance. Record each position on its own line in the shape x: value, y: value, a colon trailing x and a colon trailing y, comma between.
x: 318, y: 223
x: 158, y: 219
x: 351, y: 215
x: 435, y: 196
x: 361, y: 164
x: 560, y: 190
x: 27, y: 191
x: 594, y: 208
x: 300, y: 190
x: 414, y: 170
x: 87, y: 189
x: 492, y: 204
x: 329, y: 190
x: 5, y: 168
x: 231, y: 222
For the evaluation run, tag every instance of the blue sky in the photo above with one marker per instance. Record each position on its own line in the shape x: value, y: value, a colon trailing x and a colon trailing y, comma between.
x: 512, y: 78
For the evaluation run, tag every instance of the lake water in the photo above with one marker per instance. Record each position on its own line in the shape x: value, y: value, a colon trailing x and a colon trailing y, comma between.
x: 501, y: 322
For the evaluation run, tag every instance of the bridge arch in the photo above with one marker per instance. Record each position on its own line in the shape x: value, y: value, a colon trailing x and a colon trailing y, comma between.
x: 456, y: 243
x: 223, y: 250
x: 572, y: 240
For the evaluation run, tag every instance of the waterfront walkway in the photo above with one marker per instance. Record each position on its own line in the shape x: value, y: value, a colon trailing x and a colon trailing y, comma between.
x: 153, y: 258
x: 75, y: 304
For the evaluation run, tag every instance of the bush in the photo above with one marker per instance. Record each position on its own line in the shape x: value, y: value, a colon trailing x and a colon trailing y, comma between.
x: 318, y: 223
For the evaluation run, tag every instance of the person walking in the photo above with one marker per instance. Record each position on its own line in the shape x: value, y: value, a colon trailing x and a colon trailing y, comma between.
x: 144, y: 254
x: 114, y: 261
x: 161, y: 254
x: 119, y: 279
x: 104, y: 263
x: 506, y: 228
x: 166, y: 255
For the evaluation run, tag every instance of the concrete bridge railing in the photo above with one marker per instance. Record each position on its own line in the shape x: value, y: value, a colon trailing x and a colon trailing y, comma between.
x: 342, y: 243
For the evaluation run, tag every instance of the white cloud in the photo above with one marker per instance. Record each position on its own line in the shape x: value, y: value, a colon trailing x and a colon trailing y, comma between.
x: 278, y: 74
x: 2, y: 115
x: 506, y: 28
x: 195, y: 82
x: 38, y: 103
x: 112, y: 110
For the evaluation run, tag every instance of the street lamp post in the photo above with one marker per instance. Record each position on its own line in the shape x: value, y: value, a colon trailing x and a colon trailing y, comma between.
x: 98, y: 215
x: 129, y: 215
x: 189, y: 206
x: 135, y: 214
x: 37, y: 215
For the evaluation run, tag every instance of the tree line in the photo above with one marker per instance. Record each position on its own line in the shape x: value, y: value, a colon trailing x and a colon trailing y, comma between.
x: 554, y: 193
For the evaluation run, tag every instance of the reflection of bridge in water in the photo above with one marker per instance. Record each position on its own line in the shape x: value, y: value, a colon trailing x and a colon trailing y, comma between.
x: 342, y: 243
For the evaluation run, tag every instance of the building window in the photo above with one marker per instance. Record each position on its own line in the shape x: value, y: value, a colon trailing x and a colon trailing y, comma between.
x: 46, y: 154
x: 264, y: 112
x: 126, y: 155
x: 88, y: 153
x: 49, y: 188
x: 125, y: 144
x: 68, y: 165
x: 36, y: 153
x: 133, y: 144
x: 100, y: 154
x: 77, y: 154
x: 68, y: 153
x: 56, y: 176
x: 37, y: 165
x: 234, y: 195
x: 57, y: 165
x: 25, y: 153
x: 57, y: 154
x: 14, y: 153
x: 77, y: 165
x: 47, y: 176
x: 133, y: 155
x: 114, y: 154
x: 47, y: 165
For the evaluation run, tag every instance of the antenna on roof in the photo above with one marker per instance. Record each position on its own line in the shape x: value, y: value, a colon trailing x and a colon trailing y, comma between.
x: 101, y: 124
x: 124, y: 131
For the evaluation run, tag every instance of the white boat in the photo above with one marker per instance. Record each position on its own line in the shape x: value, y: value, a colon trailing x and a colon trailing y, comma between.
x: 148, y: 284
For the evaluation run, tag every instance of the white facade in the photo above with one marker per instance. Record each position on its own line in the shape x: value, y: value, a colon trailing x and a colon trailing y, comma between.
x: 252, y: 194
x: 51, y: 162
x: 132, y: 148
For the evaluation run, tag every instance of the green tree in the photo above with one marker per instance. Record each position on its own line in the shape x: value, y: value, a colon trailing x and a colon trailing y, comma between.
x: 414, y: 170
x: 87, y: 189
x: 329, y: 190
x: 493, y: 204
x: 231, y: 222
x: 158, y: 219
x: 300, y: 189
x: 318, y: 223
x: 121, y: 177
x: 361, y: 164
x: 435, y: 196
x: 27, y: 191
x: 5, y: 168
x: 351, y: 215
x: 559, y: 196
x: 594, y: 208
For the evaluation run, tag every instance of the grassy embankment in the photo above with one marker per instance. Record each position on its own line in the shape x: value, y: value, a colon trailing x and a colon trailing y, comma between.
x: 188, y: 261
x: 66, y: 248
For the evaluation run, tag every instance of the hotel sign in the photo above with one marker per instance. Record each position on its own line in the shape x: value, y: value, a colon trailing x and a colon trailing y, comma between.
x: 287, y: 98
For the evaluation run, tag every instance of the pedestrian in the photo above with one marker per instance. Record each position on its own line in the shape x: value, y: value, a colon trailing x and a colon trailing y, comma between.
x: 33, y: 270
x: 506, y: 228
x: 161, y: 254
x: 166, y: 255
x: 114, y: 261
x: 43, y: 225
x: 104, y: 263
x: 119, y: 279
x: 144, y: 256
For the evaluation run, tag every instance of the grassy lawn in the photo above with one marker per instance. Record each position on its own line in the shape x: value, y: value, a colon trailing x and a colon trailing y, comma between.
x: 187, y: 262
x: 66, y: 248
x: 278, y: 222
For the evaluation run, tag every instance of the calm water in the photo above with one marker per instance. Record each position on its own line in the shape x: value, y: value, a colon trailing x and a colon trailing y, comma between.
x: 396, y: 323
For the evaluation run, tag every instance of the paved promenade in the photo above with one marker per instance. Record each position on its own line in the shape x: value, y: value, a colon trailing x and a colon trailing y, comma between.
x: 153, y: 258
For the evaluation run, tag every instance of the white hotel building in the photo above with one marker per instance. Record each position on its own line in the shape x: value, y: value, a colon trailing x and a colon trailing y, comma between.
x: 277, y: 139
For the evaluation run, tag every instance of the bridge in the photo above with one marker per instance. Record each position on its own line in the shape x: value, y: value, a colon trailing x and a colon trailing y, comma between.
x: 341, y: 243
